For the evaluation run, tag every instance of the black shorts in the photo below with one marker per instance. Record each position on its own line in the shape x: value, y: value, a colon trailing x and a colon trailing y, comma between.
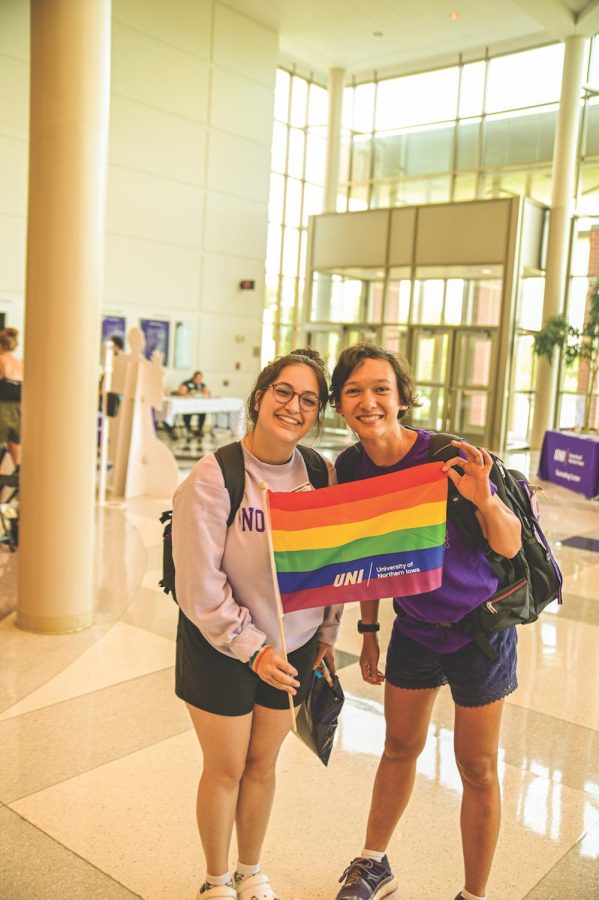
x: 474, y: 679
x: 218, y: 684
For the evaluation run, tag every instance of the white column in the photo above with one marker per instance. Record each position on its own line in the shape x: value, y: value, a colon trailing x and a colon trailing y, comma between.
x: 331, y: 181
x: 564, y: 176
x: 70, y: 89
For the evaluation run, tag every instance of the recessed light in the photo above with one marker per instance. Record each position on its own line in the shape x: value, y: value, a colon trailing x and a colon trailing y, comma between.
x: 454, y: 15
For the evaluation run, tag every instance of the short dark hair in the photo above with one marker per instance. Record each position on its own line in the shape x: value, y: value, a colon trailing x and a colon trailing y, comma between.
x: 354, y: 356
x: 117, y: 341
x: 270, y: 373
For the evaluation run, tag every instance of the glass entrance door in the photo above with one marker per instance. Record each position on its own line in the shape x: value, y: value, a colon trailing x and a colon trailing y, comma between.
x: 453, y: 369
x: 329, y: 341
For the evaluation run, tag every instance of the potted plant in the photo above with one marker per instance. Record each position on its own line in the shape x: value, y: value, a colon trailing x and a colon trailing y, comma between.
x: 575, y: 343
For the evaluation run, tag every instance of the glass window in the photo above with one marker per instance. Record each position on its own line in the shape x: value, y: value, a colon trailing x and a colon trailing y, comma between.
x: 483, y: 302
x: 293, y: 202
x: 347, y: 111
x: 588, y: 199
x: 318, y: 105
x: 279, y: 147
x: 524, y: 363
x: 475, y: 352
x: 428, y: 301
x: 360, y: 164
x: 374, y: 301
x: 454, y: 301
x: 312, y: 202
x: 346, y: 299
x: 472, y: 85
x: 581, y: 251
x: 578, y: 301
x: 290, y: 251
x: 363, y: 107
x: 415, y: 191
x: 358, y: 197
x: 288, y: 288
x: 395, y: 339
x: 516, y: 139
x: 344, y: 155
x: 303, y: 257
x: 464, y: 187
x: 315, y: 158
x: 468, y: 133
x: 415, y: 152
x: 282, y: 82
x: 591, y: 136
x: 530, y: 304
x: 295, y: 165
x: 397, y: 308
x: 417, y: 99
x: 299, y: 101
x: 523, y: 79
x: 384, y: 194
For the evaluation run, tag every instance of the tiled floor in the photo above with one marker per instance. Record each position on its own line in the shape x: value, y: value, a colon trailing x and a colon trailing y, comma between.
x: 98, y: 763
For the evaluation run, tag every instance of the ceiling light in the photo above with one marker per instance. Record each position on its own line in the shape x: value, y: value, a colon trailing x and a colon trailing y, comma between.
x: 454, y: 15
x: 377, y: 33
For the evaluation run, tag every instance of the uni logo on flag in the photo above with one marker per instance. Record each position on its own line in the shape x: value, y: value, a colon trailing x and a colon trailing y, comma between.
x: 381, y: 537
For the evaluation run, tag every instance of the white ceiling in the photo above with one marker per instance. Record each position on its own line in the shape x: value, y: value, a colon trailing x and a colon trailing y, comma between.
x: 389, y: 36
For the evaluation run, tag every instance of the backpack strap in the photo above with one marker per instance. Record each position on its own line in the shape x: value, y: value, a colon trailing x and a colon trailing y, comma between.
x: 230, y: 459
x: 318, y: 471
x: 348, y: 463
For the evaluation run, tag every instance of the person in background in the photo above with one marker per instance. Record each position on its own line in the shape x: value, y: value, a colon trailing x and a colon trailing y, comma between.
x: 234, y: 680
x: 373, y: 389
x: 194, y: 387
x: 11, y: 377
x: 113, y: 401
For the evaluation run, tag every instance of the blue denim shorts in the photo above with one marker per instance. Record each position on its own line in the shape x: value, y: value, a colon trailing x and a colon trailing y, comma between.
x: 474, y: 679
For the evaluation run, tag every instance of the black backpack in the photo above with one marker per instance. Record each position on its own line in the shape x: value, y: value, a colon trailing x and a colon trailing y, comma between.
x: 230, y: 460
x: 529, y: 581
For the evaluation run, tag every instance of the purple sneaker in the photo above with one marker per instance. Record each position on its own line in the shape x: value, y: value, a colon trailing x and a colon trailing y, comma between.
x: 367, y: 879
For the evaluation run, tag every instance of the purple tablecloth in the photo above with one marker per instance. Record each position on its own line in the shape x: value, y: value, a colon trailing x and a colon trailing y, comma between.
x: 571, y: 460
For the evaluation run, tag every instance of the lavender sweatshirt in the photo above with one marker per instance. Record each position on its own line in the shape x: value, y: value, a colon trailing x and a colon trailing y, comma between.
x: 224, y: 582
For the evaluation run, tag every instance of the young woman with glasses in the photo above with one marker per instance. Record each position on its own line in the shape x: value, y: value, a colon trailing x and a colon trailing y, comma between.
x: 229, y: 669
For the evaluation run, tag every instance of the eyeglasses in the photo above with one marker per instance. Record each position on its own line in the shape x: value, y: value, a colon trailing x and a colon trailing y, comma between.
x: 284, y: 393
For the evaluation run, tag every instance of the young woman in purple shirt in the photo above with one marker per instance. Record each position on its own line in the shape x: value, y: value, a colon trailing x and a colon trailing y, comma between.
x: 373, y: 389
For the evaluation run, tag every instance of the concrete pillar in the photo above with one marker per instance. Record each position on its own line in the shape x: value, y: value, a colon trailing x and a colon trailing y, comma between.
x: 564, y: 180
x: 70, y: 89
x: 331, y: 179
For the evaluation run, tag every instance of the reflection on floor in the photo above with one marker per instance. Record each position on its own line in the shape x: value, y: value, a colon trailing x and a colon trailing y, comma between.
x: 98, y: 763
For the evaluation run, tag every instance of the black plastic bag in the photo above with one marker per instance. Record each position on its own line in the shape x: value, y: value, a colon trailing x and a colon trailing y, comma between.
x: 319, y: 713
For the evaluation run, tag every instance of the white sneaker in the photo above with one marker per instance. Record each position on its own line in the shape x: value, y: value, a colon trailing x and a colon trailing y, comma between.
x: 256, y: 887
x: 217, y: 892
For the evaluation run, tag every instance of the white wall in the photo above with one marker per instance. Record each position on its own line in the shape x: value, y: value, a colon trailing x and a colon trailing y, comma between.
x: 189, y: 163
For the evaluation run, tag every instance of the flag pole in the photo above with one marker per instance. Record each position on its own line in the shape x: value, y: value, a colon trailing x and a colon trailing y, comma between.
x: 275, y: 581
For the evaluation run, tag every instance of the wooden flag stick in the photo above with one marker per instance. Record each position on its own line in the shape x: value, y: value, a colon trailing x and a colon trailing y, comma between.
x: 275, y: 581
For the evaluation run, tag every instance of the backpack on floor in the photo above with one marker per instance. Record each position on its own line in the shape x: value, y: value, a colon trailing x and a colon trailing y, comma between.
x: 230, y: 460
x: 528, y: 582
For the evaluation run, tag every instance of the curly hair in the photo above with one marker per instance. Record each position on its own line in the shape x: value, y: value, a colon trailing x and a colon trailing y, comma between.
x: 269, y: 374
x: 354, y: 356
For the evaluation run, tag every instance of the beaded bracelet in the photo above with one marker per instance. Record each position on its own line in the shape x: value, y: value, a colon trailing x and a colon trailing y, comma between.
x: 255, y: 660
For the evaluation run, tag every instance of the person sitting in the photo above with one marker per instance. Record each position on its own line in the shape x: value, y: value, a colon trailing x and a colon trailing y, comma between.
x: 194, y: 387
x: 11, y: 376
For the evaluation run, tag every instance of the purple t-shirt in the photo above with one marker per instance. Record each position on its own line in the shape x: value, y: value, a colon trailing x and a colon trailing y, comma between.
x: 468, y: 578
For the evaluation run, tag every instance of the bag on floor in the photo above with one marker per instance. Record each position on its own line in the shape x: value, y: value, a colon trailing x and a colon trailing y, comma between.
x: 230, y: 460
x: 319, y: 714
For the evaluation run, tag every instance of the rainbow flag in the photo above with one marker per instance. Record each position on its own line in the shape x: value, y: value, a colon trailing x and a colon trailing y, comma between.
x: 381, y: 537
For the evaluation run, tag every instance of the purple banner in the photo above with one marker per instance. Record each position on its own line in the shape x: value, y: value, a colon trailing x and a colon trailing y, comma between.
x: 571, y: 460
x: 156, y: 333
x: 113, y: 325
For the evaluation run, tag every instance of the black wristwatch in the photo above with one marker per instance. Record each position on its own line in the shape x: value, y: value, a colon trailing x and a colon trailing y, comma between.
x: 364, y: 627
